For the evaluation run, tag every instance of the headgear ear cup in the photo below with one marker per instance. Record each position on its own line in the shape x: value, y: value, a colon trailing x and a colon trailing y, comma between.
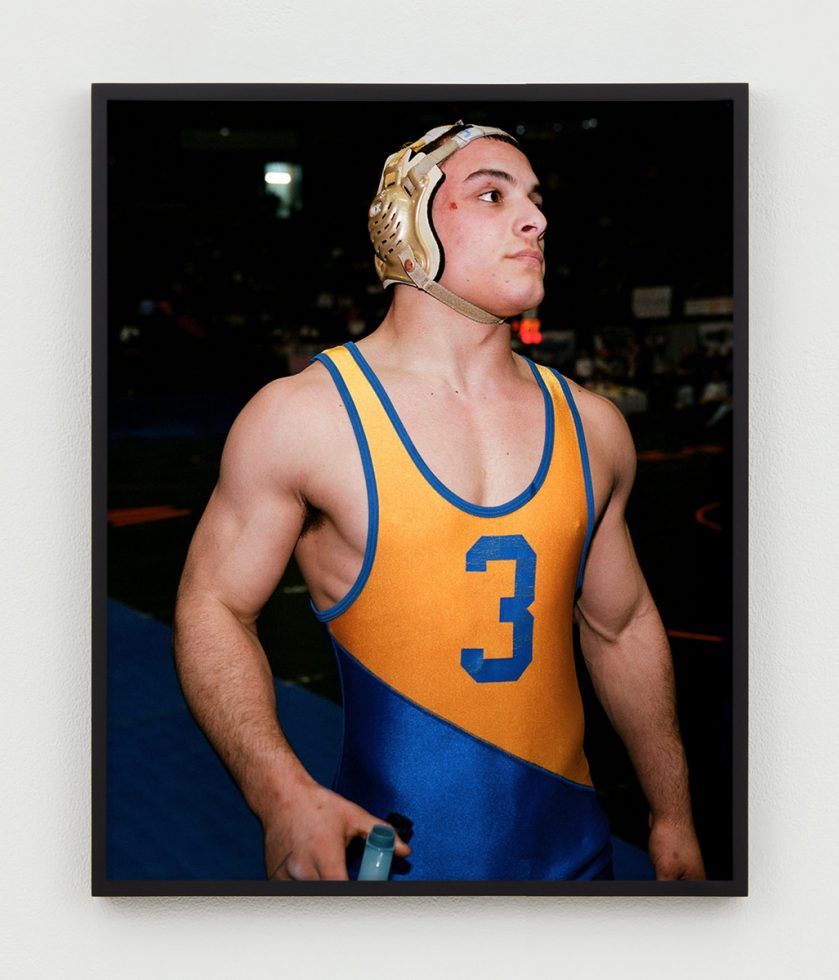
x: 399, y: 219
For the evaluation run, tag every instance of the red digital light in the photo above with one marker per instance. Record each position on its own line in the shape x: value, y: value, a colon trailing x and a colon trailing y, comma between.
x: 529, y: 330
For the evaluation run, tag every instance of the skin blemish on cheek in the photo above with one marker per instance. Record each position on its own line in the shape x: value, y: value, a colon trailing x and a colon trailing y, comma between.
x: 453, y: 205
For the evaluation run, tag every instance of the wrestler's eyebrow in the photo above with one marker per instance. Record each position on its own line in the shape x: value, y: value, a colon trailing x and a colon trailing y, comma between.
x: 489, y: 172
x: 535, y: 194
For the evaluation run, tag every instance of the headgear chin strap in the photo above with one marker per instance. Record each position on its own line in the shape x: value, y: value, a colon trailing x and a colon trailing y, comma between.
x: 399, y: 219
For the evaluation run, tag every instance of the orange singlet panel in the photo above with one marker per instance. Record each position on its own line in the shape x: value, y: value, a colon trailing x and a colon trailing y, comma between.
x: 467, y: 610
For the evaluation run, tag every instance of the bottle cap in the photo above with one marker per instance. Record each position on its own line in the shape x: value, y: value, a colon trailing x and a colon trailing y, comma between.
x: 381, y: 836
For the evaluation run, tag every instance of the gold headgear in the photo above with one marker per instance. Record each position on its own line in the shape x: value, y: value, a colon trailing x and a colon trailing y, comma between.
x: 399, y: 219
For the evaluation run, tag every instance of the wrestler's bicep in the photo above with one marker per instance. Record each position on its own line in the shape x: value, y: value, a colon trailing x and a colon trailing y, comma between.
x: 613, y: 586
x: 252, y: 521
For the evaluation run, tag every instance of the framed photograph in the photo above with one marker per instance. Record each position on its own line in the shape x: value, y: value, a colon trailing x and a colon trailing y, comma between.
x: 588, y: 244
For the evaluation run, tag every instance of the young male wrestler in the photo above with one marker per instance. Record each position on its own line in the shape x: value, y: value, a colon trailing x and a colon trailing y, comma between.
x: 453, y: 509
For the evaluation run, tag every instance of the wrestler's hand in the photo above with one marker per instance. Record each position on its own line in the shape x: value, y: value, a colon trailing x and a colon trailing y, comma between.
x: 306, y: 839
x: 674, y: 851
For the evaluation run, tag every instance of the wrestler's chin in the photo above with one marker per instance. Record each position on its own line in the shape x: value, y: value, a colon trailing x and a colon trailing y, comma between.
x: 515, y: 302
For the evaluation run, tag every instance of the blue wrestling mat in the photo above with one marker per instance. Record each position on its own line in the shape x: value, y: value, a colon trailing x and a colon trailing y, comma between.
x: 173, y: 811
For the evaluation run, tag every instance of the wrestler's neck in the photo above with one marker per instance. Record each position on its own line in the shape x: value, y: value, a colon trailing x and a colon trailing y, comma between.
x: 434, y: 340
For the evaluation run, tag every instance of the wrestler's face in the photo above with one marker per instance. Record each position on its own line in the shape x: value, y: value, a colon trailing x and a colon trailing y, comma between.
x: 487, y: 215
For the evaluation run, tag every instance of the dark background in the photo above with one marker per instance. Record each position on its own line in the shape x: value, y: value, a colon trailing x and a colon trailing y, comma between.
x: 211, y: 294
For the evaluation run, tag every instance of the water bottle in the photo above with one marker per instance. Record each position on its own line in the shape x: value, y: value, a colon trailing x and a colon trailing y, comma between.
x: 378, y: 854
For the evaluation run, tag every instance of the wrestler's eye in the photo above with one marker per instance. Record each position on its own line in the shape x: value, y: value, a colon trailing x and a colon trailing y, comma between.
x: 485, y: 196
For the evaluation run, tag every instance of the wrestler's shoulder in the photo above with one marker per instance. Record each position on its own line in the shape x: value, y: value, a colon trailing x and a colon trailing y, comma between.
x: 304, y: 399
x: 605, y: 426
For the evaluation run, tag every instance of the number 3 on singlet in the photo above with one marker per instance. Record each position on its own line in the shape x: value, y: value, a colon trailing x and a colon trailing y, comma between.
x: 514, y: 609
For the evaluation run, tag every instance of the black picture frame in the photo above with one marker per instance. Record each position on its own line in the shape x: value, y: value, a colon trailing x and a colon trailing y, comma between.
x: 319, y: 103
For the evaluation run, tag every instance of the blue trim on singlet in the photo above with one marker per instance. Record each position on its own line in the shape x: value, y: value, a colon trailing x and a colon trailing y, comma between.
x: 477, y: 510
x: 581, y: 439
x: 372, y: 496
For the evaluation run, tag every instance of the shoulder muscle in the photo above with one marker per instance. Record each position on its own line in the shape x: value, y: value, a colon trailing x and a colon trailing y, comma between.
x: 609, y: 441
x: 256, y: 512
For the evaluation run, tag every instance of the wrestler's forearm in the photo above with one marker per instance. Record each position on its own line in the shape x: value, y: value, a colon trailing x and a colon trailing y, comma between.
x: 632, y: 673
x: 229, y: 687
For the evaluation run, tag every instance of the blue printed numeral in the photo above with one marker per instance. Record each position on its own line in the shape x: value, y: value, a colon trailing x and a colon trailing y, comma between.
x: 513, y: 609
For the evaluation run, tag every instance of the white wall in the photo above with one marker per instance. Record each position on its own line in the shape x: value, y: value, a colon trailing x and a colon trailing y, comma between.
x: 50, y: 53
